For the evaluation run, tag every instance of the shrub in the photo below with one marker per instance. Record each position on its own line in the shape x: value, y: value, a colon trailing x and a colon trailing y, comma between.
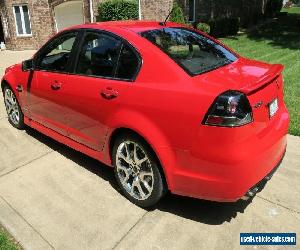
x: 112, y: 10
x: 273, y: 7
x: 224, y: 27
x: 177, y: 14
x: 189, y: 25
x: 203, y: 27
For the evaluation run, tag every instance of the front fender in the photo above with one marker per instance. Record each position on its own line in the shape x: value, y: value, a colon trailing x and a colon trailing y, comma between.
x: 14, y: 76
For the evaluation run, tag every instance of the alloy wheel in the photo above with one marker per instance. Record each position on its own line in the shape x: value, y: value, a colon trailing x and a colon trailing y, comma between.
x: 134, y: 170
x: 12, y: 107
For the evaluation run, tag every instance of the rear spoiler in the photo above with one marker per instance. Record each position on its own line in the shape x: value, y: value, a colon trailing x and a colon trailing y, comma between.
x: 274, y: 71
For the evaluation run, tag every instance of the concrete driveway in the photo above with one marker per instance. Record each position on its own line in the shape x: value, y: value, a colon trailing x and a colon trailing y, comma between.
x: 52, y: 197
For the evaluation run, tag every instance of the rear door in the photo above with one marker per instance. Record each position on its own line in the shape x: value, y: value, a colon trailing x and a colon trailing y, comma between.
x: 47, y: 101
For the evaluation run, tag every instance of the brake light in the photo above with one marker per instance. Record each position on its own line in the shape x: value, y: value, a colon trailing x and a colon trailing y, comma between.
x: 230, y: 109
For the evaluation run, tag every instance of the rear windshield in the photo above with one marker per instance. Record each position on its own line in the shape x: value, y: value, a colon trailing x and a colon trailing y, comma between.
x: 194, y: 52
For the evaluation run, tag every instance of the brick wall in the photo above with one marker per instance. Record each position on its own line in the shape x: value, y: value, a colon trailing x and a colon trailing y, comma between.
x: 40, y: 24
x: 156, y: 10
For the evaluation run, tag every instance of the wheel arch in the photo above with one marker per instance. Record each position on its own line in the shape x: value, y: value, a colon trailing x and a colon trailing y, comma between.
x: 161, y: 151
x: 10, y: 81
x: 3, y: 84
x: 9, y: 84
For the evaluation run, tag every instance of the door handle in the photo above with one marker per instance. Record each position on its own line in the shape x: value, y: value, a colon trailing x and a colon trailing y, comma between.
x: 55, y: 86
x: 109, y: 93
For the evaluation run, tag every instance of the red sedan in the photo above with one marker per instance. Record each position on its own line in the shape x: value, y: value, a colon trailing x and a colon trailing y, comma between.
x: 168, y: 107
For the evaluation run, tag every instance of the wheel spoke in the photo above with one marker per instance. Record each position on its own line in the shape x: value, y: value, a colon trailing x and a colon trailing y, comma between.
x: 139, y: 162
x: 13, y: 117
x: 135, y: 158
x: 126, y: 178
x: 126, y: 149
x: 127, y: 173
x: 133, y: 185
x: 17, y: 115
x: 9, y: 96
x: 119, y: 166
x: 146, y: 185
x: 141, y: 191
x: 8, y: 106
x: 13, y: 100
x: 126, y: 159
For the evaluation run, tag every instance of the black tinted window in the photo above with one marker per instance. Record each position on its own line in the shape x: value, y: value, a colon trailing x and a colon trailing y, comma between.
x: 56, y: 55
x: 191, y: 50
x: 99, y: 55
x: 128, y: 63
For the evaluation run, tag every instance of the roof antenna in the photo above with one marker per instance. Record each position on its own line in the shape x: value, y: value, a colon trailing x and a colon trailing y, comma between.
x: 164, y: 23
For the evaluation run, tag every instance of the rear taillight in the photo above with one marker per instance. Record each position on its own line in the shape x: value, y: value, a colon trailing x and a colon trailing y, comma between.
x: 230, y: 109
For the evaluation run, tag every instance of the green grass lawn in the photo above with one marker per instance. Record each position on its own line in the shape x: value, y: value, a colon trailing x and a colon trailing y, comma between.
x: 277, y: 42
x: 5, y: 241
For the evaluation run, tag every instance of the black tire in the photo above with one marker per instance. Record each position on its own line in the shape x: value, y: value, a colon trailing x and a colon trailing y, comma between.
x: 159, y: 186
x: 17, y: 122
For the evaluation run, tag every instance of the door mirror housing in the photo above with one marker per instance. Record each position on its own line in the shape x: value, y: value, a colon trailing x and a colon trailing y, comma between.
x: 28, y: 65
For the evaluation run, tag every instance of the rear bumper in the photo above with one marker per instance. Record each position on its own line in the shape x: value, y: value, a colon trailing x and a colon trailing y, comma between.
x: 228, y: 162
x: 260, y: 185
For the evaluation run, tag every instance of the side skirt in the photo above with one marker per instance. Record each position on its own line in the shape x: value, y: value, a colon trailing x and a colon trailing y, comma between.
x: 66, y: 141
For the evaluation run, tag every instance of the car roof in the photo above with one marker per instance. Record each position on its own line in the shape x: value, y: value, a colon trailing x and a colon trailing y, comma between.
x: 132, y: 25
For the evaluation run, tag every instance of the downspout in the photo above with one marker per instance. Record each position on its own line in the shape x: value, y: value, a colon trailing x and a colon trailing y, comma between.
x: 91, y: 11
x: 140, y: 10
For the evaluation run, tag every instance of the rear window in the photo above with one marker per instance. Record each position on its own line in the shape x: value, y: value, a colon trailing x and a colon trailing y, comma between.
x: 194, y: 52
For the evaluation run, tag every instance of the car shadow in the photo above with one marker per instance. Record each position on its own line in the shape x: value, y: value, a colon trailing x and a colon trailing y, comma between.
x: 208, y: 212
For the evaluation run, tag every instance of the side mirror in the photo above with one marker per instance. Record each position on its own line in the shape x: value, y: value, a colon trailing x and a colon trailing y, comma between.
x: 27, y: 65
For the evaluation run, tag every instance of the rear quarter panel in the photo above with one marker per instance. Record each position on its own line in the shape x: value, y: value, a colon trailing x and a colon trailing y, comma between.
x: 164, y: 105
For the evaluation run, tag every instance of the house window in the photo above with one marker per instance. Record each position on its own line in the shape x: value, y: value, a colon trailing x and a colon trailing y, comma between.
x: 22, y: 19
x: 192, y: 10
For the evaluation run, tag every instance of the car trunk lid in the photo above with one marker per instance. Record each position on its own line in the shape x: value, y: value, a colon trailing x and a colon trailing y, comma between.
x: 243, y: 75
x: 261, y: 82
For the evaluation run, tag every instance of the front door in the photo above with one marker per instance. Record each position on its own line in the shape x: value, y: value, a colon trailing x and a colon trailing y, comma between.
x: 47, y: 101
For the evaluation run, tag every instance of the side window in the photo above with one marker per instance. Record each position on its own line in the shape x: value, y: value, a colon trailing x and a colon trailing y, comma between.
x: 99, y: 55
x: 56, y: 56
x: 128, y: 63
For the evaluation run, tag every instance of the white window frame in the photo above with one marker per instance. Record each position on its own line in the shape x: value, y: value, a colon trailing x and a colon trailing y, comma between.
x: 22, y: 21
x: 194, y: 12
